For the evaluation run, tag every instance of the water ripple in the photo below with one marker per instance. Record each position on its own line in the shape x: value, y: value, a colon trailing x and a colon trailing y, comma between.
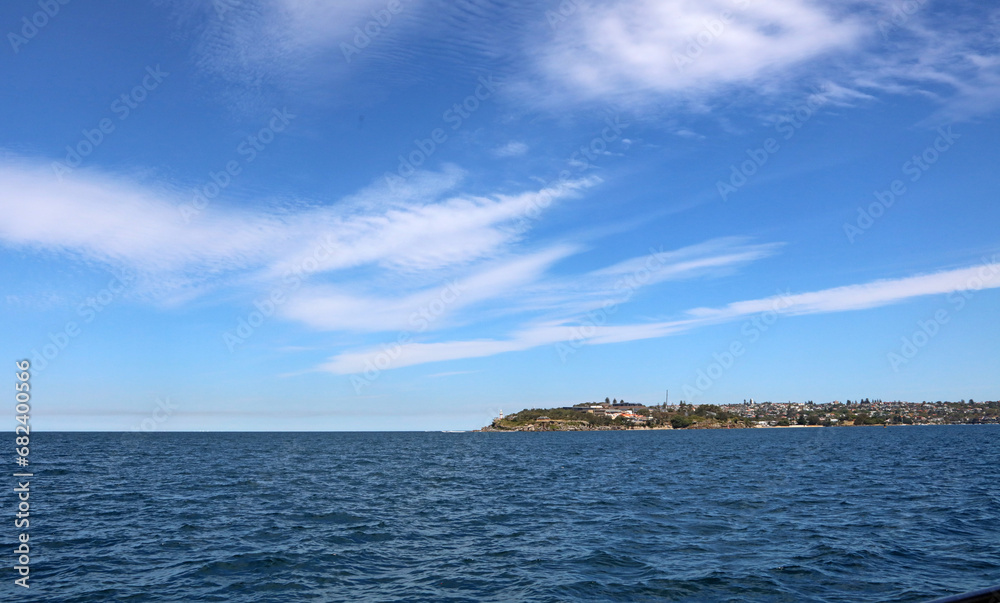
x: 830, y: 515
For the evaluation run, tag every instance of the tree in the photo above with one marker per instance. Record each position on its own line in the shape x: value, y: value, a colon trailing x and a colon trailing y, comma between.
x: 679, y: 422
x: 607, y: 400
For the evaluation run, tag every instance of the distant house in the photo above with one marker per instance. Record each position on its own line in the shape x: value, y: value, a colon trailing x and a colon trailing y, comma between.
x: 623, y: 406
x: 591, y: 408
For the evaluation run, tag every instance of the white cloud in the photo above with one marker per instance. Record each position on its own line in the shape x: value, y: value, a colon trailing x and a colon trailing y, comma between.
x: 691, y: 261
x: 522, y: 283
x: 511, y: 149
x: 420, y: 235
x: 837, y: 299
x: 419, y: 353
x: 869, y: 295
x: 951, y: 58
x: 568, y: 296
x: 575, y: 295
x: 327, y: 308
x: 122, y: 223
x: 141, y: 228
x: 629, y: 52
x: 620, y: 48
x: 260, y: 50
x: 645, y: 52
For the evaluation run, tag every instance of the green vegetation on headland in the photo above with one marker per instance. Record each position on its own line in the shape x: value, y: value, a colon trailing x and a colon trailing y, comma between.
x: 615, y: 414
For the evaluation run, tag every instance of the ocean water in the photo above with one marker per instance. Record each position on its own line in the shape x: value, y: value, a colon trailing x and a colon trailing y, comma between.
x: 825, y: 514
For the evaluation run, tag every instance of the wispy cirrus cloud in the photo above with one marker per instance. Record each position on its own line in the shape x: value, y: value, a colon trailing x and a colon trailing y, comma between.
x: 864, y: 296
x: 836, y: 299
x: 415, y: 238
x: 258, y: 48
x: 550, y: 306
x: 425, y: 227
x: 637, y: 53
x: 685, y: 52
x: 334, y: 308
x: 521, y: 285
x: 513, y: 148
x: 694, y: 260
x: 952, y: 58
x: 569, y: 296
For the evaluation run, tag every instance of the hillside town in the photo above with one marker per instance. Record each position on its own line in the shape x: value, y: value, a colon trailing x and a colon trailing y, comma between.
x: 614, y: 414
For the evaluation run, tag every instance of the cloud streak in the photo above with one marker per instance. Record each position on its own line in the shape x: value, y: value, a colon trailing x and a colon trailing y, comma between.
x: 128, y: 225
x: 692, y: 53
x: 628, y: 52
x: 326, y: 308
x: 837, y: 299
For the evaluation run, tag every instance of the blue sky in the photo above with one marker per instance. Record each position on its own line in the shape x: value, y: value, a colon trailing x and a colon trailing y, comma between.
x: 412, y: 214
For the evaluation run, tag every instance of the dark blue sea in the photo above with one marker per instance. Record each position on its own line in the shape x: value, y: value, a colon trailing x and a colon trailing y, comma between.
x: 820, y: 514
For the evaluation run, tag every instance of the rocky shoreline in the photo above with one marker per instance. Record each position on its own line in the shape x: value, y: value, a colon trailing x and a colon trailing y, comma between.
x: 618, y: 415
